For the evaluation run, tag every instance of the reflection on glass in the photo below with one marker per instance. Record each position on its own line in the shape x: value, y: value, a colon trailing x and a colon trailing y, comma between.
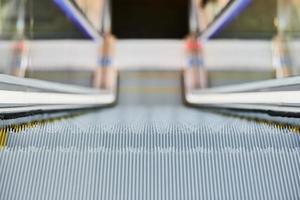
x: 287, y: 21
x: 92, y: 9
x: 261, y: 43
x: 42, y: 20
x: 14, y: 20
x: 33, y: 31
x: 284, y: 45
x: 210, y: 9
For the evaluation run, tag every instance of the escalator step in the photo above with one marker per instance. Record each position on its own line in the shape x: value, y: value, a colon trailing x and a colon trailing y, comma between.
x: 157, y: 174
x: 159, y: 127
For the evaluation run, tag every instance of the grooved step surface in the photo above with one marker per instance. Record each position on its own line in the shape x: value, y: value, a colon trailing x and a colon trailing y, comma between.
x: 156, y: 174
x: 142, y: 128
x: 158, y: 153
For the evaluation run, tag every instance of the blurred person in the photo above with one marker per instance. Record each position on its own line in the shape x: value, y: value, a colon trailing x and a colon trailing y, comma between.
x: 196, y: 73
x: 287, y: 23
x: 105, y: 73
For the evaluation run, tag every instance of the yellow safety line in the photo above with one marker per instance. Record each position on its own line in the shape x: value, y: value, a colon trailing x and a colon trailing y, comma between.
x: 278, y: 125
x: 4, y: 132
x: 3, y: 138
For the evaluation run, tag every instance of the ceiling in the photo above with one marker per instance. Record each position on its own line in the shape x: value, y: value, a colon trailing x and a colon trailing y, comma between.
x: 150, y: 18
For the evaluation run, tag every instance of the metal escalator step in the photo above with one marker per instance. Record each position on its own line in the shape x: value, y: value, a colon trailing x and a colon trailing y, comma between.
x: 156, y: 174
x: 159, y: 127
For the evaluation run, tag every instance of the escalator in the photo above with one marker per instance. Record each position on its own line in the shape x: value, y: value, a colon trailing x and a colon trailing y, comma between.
x: 155, y: 135
x: 151, y: 146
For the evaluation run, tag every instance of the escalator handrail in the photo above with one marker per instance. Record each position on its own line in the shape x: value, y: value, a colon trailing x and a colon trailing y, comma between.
x: 273, y: 96
x: 47, y: 96
x: 227, y: 15
x: 78, y: 18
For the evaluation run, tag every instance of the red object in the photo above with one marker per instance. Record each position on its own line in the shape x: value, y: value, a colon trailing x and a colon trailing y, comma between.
x: 19, y: 46
x: 193, y: 44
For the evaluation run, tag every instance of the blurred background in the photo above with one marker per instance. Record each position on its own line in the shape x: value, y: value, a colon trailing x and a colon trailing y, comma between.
x: 43, y: 39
